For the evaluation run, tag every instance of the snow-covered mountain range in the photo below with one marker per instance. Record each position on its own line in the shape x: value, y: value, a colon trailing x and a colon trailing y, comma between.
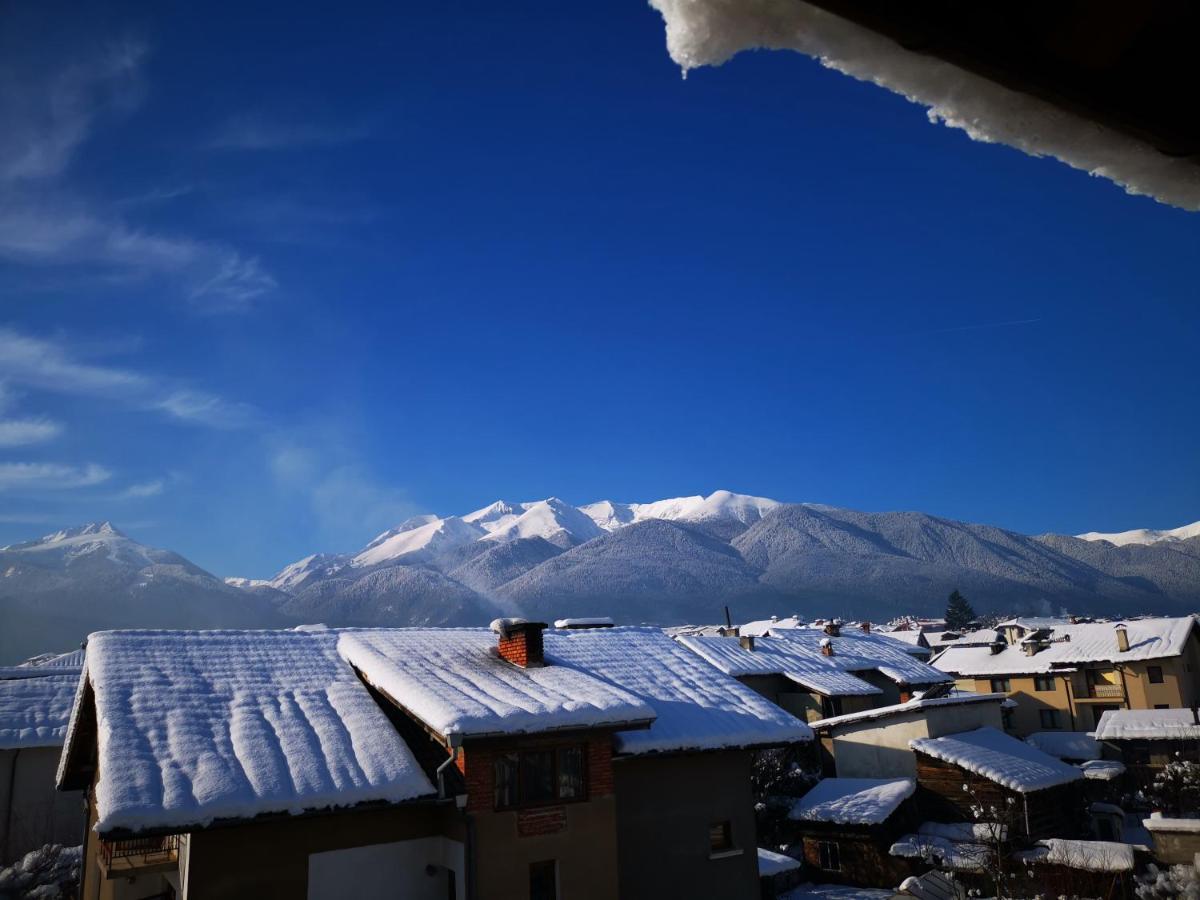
x: 682, y: 559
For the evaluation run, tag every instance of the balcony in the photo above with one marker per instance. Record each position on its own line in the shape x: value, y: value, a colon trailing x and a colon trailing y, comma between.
x: 1106, y: 691
x: 139, y: 855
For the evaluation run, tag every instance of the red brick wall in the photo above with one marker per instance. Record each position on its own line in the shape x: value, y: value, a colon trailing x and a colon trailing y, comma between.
x: 477, y: 766
x: 523, y: 647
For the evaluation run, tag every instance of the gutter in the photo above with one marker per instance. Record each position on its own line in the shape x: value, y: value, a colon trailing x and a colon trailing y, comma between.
x: 455, y: 742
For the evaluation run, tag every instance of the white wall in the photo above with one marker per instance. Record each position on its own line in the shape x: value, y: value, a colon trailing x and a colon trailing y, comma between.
x: 380, y: 871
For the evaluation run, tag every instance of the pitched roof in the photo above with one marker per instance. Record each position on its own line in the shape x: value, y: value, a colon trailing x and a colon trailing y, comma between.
x: 775, y: 656
x: 1148, y: 724
x: 996, y: 756
x: 853, y: 801
x: 205, y: 725
x: 1090, y: 856
x: 859, y: 651
x: 455, y: 682
x: 900, y: 709
x: 697, y: 706
x: 34, y: 711
x: 1066, y: 744
x: 1093, y: 642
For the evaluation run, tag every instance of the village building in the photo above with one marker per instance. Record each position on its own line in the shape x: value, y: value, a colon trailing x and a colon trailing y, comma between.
x: 846, y: 825
x: 35, y: 705
x: 876, y: 743
x: 1176, y: 841
x: 818, y: 673
x: 424, y: 762
x: 1147, y: 740
x: 958, y: 772
x: 1064, y: 676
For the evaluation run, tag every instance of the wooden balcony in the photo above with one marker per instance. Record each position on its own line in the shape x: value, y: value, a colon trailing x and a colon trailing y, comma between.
x: 139, y: 856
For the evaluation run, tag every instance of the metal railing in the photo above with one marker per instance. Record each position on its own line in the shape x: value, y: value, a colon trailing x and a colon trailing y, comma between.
x: 1105, y: 690
x: 140, y: 851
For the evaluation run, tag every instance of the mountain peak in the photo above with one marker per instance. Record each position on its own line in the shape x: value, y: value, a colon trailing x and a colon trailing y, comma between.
x: 101, y: 530
x: 1144, y: 535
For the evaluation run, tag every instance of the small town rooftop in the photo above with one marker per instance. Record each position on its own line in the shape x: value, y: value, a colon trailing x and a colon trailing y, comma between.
x: 1149, y: 725
x: 996, y: 756
x: 853, y: 801
x: 34, y: 711
x: 900, y: 709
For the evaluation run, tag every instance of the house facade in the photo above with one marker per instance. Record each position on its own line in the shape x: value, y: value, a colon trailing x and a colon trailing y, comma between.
x: 1065, y: 676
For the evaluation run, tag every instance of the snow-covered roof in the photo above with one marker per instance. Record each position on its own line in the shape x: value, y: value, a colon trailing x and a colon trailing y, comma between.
x: 855, y: 651
x: 996, y: 756
x: 455, y: 682
x: 697, y: 706
x: 853, y: 801
x: 1091, y: 856
x: 585, y: 622
x: 763, y: 627
x: 72, y: 659
x: 910, y: 637
x: 34, y: 711
x: 899, y: 709
x: 771, y: 863
x: 204, y: 725
x: 775, y: 656
x: 1158, y: 822
x: 1066, y: 744
x: 1102, y: 769
x: 958, y: 846
x: 1148, y: 724
x: 1092, y: 642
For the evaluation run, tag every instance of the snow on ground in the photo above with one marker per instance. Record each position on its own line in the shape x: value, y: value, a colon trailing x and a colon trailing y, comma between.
x: 998, y: 757
x: 1145, y: 535
x: 853, y: 801
x: 1066, y: 744
x: 455, y: 682
x: 698, y: 707
x: 771, y: 863
x: 1148, y: 724
x: 1092, y: 856
x: 835, y: 892
x: 709, y: 32
x: 34, y: 711
x: 204, y: 725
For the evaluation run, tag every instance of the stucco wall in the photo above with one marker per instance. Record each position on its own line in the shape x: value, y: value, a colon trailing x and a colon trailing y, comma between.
x: 32, y: 812
x: 665, y: 807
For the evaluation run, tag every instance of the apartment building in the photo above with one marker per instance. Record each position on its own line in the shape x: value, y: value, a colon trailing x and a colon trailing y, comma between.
x: 1065, y: 676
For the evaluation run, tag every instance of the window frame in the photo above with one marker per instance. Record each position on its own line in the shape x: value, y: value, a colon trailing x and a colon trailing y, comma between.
x: 1004, y: 680
x: 829, y: 852
x: 1151, y: 671
x: 725, y: 844
x: 1046, y: 680
x: 519, y: 790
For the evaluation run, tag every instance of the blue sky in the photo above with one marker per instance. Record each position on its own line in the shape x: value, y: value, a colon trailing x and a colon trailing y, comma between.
x: 273, y: 281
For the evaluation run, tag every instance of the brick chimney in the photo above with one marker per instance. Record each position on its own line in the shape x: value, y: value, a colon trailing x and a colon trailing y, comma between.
x: 865, y: 626
x: 833, y: 628
x: 747, y: 641
x: 826, y: 647
x: 1122, y: 637
x: 520, y: 642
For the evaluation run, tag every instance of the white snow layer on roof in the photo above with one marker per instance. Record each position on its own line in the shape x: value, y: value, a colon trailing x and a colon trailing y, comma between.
x: 1089, y: 643
x: 1163, y: 823
x: 1091, y: 856
x: 1147, y: 724
x: 775, y: 656
x: 958, y: 846
x: 709, y: 32
x: 858, y: 651
x: 853, y: 801
x: 34, y: 711
x: 899, y: 709
x: 197, y: 726
x: 698, y: 707
x: 994, y: 755
x: 771, y: 863
x: 1066, y: 744
x: 455, y: 682
x: 1102, y: 769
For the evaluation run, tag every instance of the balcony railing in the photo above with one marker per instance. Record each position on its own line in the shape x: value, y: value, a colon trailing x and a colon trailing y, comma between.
x: 138, y: 853
x: 1106, y: 690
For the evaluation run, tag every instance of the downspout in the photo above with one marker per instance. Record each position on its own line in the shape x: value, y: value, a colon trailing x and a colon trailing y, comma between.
x: 1124, y: 687
x: 1070, y: 700
x: 455, y: 743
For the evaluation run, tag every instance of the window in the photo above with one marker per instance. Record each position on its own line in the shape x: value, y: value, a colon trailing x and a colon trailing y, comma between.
x: 1155, y: 673
x: 830, y: 857
x: 1162, y: 705
x: 543, y: 880
x: 540, y: 777
x: 1043, y: 683
x: 1000, y: 686
x: 720, y: 837
x: 831, y: 706
x: 1049, y: 718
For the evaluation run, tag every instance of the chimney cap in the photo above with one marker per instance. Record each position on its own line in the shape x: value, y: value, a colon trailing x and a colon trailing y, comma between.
x: 505, y: 627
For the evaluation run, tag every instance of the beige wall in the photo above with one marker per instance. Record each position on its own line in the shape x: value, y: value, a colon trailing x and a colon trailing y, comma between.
x: 665, y: 806
x: 32, y: 812
x: 878, y: 748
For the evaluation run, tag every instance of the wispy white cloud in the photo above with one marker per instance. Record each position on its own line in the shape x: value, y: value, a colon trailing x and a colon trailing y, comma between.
x: 51, y: 366
x: 50, y: 476
x: 23, y: 432
x: 143, y: 490
x: 253, y: 131
x: 47, y: 115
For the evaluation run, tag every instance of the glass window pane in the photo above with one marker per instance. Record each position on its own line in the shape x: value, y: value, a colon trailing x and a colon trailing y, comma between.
x: 506, y: 780
x: 570, y: 773
x: 537, y: 776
